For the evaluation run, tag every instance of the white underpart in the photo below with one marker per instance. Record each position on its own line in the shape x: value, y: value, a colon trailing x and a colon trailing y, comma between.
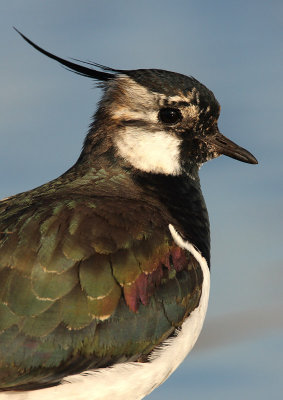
x: 133, y: 381
x: 156, y: 152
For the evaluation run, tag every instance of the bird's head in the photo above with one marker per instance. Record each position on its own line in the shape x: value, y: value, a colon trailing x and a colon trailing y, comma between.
x: 155, y: 120
x: 166, y: 122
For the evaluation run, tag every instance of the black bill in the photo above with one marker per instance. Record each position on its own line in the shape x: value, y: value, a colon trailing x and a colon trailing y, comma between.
x: 222, y: 145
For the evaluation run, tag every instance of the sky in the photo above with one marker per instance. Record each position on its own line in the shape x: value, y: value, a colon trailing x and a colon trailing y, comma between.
x: 235, y: 49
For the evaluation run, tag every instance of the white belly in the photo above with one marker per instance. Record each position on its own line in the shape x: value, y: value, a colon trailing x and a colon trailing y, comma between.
x: 133, y: 381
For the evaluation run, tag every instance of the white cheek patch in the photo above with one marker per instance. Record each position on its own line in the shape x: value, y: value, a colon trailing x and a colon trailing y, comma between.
x: 157, y: 152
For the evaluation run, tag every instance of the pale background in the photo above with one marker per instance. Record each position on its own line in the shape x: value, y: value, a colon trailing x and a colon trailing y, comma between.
x: 235, y: 48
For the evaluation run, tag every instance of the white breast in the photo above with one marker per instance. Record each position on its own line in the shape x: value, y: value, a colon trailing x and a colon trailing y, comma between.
x: 133, y: 381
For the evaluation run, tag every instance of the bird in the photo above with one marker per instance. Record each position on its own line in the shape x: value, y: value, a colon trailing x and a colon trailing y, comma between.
x: 105, y: 270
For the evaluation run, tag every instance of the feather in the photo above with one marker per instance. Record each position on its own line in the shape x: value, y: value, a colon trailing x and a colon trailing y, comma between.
x: 78, y: 69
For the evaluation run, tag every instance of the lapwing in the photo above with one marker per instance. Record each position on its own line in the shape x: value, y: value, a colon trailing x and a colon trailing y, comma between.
x: 105, y: 271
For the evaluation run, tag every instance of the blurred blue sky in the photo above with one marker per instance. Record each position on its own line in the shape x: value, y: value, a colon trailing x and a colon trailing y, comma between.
x: 235, y: 48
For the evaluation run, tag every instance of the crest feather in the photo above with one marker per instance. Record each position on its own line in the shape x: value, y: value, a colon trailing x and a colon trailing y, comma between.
x: 79, y: 69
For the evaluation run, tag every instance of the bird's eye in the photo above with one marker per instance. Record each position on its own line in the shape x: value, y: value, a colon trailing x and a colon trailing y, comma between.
x: 170, y: 115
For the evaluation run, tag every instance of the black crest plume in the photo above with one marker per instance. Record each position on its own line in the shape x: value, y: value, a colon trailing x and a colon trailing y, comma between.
x: 79, y: 69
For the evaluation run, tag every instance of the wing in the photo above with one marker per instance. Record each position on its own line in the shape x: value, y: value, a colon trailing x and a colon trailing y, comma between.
x: 84, y: 285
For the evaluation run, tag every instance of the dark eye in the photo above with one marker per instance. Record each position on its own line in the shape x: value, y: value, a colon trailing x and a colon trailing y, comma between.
x: 170, y: 115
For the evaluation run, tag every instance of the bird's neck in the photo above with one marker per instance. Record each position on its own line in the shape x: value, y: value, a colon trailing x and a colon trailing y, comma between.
x: 182, y: 197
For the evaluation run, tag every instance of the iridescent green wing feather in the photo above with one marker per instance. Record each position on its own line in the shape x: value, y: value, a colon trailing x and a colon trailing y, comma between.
x: 85, y: 284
